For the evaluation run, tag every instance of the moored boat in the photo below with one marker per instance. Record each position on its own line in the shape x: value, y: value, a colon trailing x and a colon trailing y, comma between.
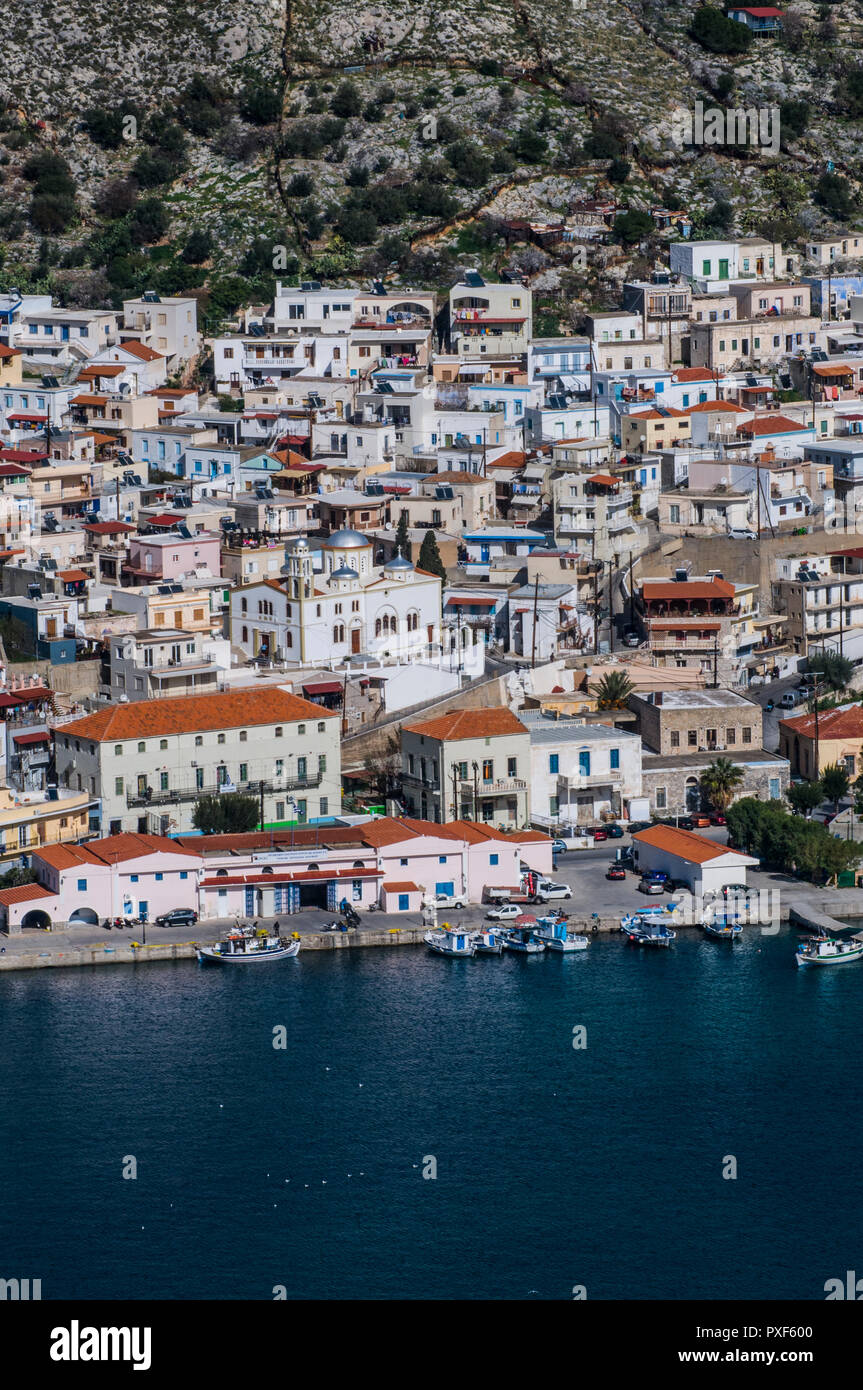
x: 523, y: 941
x: 828, y: 950
x: 553, y: 932
x: 449, y: 941
x: 488, y: 942
x: 245, y: 946
x: 722, y: 928
x: 649, y: 931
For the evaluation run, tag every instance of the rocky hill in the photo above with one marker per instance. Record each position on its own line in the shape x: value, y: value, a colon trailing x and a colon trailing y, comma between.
x: 212, y: 147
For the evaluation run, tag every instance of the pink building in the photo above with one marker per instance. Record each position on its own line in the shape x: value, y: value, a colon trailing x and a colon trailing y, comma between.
x: 171, y: 557
x: 392, y: 863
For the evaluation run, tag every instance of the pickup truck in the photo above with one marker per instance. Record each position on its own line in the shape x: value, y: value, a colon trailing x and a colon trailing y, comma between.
x: 445, y: 900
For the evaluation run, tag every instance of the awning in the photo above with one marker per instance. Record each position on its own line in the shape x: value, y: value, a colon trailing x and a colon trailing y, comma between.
x: 39, y: 737
x: 12, y: 699
x: 323, y: 688
x: 682, y: 625
x: 22, y: 415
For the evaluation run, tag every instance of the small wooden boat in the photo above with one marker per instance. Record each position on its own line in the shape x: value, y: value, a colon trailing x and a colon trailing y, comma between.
x: 450, y: 942
x: 553, y: 932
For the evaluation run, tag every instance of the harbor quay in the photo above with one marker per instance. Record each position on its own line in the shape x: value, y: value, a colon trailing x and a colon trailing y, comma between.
x: 80, y: 945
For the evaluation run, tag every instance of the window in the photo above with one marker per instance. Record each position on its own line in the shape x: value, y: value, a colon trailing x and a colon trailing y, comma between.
x: 747, y: 734
x: 118, y: 786
x: 159, y: 877
x: 82, y: 885
x: 325, y: 805
x: 321, y: 726
x: 322, y: 763
x: 730, y: 736
x: 184, y: 873
x: 163, y: 743
x: 142, y: 747
x: 493, y: 859
x: 441, y: 859
x: 660, y: 800
x: 553, y: 762
x: 244, y: 772
x: 692, y: 738
x: 675, y: 738
x: 118, y: 750
x: 243, y: 736
x: 487, y: 770
x: 614, y: 759
x: 220, y: 738
x: 301, y: 729
x: 198, y: 741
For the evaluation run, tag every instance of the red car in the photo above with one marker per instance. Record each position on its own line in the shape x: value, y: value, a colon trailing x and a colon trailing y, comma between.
x: 717, y: 819
x: 599, y: 834
x: 616, y: 871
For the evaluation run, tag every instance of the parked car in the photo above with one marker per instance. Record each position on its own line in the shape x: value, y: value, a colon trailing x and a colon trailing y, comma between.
x: 178, y: 917
x: 741, y: 533
x: 658, y: 874
x: 505, y: 913
x: 717, y: 818
x: 636, y: 825
x: 632, y: 639
x: 615, y: 832
x: 615, y: 871
x: 674, y: 885
x: 559, y: 846
x: 792, y: 698
x: 732, y: 889
x: 651, y: 885
x: 548, y: 891
x: 599, y: 833
x: 700, y: 822
x: 685, y: 823
x: 445, y: 900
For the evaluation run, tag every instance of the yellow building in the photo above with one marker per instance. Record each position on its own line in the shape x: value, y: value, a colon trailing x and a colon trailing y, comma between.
x: 29, y: 820
x: 645, y: 431
x: 11, y: 371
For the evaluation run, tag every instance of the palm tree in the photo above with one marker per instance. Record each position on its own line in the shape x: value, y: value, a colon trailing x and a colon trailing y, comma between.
x: 833, y: 670
x: 834, y: 783
x: 719, y: 782
x: 613, y: 690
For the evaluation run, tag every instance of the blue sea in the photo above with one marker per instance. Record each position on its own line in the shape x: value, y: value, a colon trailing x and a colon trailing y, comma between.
x: 301, y: 1168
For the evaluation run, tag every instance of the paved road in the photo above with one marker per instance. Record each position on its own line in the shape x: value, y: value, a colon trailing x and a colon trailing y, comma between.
x: 774, y: 690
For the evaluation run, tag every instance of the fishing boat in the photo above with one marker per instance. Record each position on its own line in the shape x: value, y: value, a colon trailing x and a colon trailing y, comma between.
x: 660, y: 913
x: 828, y: 950
x: 553, y: 932
x: 722, y: 929
x: 449, y: 941
x: 648, y: 931
x: 488, y: 942
x: 245, y: 946
x: 522, y: 939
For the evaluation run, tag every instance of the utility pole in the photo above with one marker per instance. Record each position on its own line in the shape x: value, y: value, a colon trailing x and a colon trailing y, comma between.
x: 595, y: 608
x: 611, y: 604
x: 475, y: 770
x: 535, y: 608
x: 454, y: 774
x: 261, y: 786
x: 345, y: 706
x: 716, y: 663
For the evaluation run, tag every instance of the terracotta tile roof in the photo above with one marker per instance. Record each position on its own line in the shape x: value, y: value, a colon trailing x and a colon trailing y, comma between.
x: 772, y: 424
x: 657, y: 414
x: 451, y: 476
x: 469, y: 723
x: 146, y: 354
x: 102, y: 369
x: 686, y: 589
x: 695, y: 374
x: 9, y: 352
x: 513, y: 459
x: 844, y: 722
x: 683, y: 843
x: 24, y: 892
x: 401, y: 888
x: 114, y: 849
x: 71, y: 576
x: 108, y: 528
x: 183, y: 714
x: 702, y: 407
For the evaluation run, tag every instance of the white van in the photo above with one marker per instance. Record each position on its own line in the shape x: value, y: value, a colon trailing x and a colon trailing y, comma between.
x: 547, y: 891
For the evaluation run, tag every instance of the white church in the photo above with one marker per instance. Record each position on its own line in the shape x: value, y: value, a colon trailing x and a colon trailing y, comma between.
x: 349, y: 607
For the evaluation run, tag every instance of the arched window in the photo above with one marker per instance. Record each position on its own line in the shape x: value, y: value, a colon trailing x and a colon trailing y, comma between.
x: 394, y: 625
x: 377, y: 627
x: 244, y: 605
x: 313, y: 868
x: 338, y: 632
x: 358, y: 864
x: 221, y: 873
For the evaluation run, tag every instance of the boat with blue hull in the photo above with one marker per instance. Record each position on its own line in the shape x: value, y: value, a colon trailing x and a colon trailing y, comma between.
x: 647, y: 930
x: 554, y: 933
x: 522, y: 941
x: 488, y: 942
x: 245, y: 946
x: 722, y: 927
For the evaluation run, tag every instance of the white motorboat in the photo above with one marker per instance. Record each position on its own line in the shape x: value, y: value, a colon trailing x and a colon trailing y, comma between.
x: 450, y: 941
x: 554, y: 933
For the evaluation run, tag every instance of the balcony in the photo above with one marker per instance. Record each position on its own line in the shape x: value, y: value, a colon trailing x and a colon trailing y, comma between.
x: 588, y: 781
x: 188, y: 792
x: 495, y: 787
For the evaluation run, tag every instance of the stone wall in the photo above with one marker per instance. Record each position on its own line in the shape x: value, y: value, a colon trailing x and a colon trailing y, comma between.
x: 673, y: 774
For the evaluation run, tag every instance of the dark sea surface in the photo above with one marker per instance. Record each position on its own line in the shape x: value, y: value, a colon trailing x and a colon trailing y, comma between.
x: 556, y: 1166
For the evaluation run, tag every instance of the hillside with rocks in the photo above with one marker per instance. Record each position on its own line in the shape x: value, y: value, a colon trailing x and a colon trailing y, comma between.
x: 209, y: 149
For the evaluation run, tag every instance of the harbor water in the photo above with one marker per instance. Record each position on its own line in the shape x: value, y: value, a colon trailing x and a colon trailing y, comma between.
x: 429, y: 1130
